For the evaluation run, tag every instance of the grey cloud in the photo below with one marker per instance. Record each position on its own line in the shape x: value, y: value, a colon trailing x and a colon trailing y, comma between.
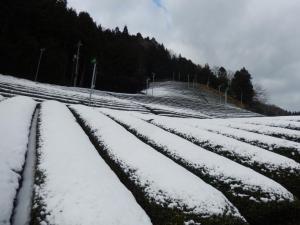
x: 263, y: 36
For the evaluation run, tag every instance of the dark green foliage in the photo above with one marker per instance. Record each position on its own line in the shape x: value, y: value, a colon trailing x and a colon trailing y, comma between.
x: 241, y: 86
x: 223, y: 80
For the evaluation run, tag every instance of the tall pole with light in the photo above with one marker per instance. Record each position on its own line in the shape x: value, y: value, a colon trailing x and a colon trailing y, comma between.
x: 219, y: 87
x: 153, y: 79
x: 77, y: 61
x: 241, y: 97
x: 147, y: 88
x: 38, y: 66
x: 93, y: 82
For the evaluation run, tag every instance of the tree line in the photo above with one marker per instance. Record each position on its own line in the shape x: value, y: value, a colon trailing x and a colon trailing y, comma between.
x: 69, y: 41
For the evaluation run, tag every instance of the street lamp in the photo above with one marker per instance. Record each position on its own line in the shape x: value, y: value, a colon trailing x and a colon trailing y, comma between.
x: 241, y: 97
x: 93, y: 82
x: 77, y: 60
x: 148, y: 79
x: 221, y: 85
x: 153, y: 77
x: 38, y: 66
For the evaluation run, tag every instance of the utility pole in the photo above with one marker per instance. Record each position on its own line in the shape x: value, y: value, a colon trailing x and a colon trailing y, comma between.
x: 241, y: 97
x: 93, y: 82
x: 220, y: 92
x: 188, y: 80
x: 173, y: 76
x: 38, y: 66
x: 148, y: 79
x: 194, y: 78
x: 153, y: 77
x: 77, y: 61
x: 226, y: 92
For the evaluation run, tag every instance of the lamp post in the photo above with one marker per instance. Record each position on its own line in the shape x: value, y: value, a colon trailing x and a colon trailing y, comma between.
x: 77, y: 61
x: 93, y: 82
x: 241, y: 97
x: 153, y: 78
x: 220, y: 92
x: 226, y: 93
x: 38, y: 66
x: 148, y: 79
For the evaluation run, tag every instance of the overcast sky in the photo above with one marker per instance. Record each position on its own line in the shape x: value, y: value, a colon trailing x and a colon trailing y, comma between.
x: 262, y: 35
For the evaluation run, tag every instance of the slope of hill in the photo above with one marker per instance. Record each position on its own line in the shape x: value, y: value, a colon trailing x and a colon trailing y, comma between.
x: 143, y: 159
x: 170, y: 98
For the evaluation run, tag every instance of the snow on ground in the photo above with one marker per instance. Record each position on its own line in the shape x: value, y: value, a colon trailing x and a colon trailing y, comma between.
x: 167, y: 183
x: 246, y: 152
x: 263, y: 129
x: 268, y: 142
x: 23, y: 206
x: 1, y: 97
x: 290, y: 122
x: 79, y: 187
x: 217, y: 167
x: 277, y: 123
x: 15, y: 119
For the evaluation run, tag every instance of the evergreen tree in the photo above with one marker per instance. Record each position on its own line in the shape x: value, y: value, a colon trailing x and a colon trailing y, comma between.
x: 241, y: 86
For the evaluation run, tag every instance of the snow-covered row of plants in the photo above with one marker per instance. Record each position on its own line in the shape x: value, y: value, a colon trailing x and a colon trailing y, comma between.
x: 281, y: 146
x: 73, y: 184
x: 15, y: 120
x: 292, y: 135
x: 290, y: 122
x: 168, y: 192
x: 284, y: 170
x: 247, y: 189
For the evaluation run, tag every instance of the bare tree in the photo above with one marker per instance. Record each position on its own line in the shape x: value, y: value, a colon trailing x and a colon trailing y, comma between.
x: 260, y: 93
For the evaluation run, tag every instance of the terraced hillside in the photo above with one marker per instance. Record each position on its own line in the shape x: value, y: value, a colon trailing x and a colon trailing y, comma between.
x: 169, y: 99
x: 138, y: 159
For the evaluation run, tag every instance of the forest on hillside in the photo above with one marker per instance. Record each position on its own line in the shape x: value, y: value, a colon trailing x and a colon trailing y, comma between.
x: 67, y: 43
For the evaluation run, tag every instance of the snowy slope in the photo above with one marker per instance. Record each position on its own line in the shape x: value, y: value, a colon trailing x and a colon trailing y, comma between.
x: 15, y: 119
x: 189, y: 103
x: 78, y: 187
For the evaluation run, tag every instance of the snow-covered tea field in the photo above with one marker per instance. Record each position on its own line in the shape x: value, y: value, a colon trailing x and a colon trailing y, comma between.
x: 177, y: 157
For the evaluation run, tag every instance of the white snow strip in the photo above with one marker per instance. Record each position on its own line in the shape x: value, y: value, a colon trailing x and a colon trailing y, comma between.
x: 216, y: 166
x: 15, y: 119
x: 263, y: 129
x: 24, y: 200
x: 277, y: 123
x: 247, y: 152
x: 216, y: 126
x: 167, y: 183
x: 79, y: 186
